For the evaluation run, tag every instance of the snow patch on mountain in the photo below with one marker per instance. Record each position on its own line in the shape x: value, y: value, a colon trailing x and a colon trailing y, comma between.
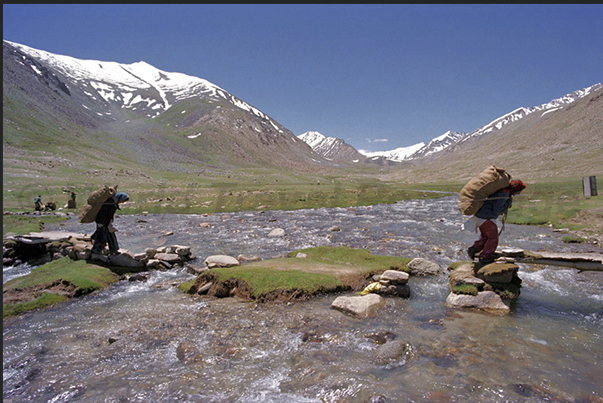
x: 119, y: 83
x: 325, y: 146
x: 519, y: 113
x: 314, y: 139
x: 398, y: 154
x: 450, y: 138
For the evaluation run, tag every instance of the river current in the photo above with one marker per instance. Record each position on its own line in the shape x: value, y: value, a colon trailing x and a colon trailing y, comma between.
x: 147, y: 342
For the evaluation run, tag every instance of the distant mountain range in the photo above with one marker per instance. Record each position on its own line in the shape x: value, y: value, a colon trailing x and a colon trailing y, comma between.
x: 66, y: 117
x: 330, y: 146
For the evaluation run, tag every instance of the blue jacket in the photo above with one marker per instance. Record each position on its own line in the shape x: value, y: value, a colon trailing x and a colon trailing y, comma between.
x: 496, y: 204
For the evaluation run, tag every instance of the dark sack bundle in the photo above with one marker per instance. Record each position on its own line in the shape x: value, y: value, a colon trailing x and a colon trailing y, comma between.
x: 475, y: 192
x: 94, y: 203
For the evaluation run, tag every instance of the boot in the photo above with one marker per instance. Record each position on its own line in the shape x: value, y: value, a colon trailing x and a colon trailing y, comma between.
x: 471, y: 252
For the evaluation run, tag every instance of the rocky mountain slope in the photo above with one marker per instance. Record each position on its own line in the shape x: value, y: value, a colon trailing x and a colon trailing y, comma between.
x: 335, y: 149
x: 564, y: 142
x: 90, y: 113
x: 562, y: 138
x: 450, y: 138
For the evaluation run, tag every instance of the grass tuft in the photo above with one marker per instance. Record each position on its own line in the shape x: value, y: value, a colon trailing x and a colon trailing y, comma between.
x: 265, y: 280
x: 86, y: 277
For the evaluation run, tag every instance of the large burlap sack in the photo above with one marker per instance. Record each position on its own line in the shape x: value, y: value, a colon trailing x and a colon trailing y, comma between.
x: 94, y: 203
x: 475, y: 192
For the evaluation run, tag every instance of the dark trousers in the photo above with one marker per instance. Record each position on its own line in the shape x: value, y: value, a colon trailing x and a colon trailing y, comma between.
x: 488, y: 242
x: 101, y: 237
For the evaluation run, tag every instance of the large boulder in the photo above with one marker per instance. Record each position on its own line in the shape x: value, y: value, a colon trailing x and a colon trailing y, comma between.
x: 394, y: 277
x: 488, y: 287
x: 497, y: 272
x: 486, y: 300
x: 423, y: 267
x: 393, y: 352
x: 221, y: 261
x: 359, y: 306
x: 464, y: 274
x: 168, y: 257
x: 125, y: 260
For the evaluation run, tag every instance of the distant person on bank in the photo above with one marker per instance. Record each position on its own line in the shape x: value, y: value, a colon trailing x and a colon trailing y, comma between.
x: 497, y: 204
x: 105, y: 232
x: 38, y: 205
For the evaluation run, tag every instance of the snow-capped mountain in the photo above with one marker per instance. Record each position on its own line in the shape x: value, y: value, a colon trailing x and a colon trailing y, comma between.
x: 137, y: 86
x: 519, y: 113
x: 450, y: 138
x: 144, y: 114
x: 398, y: 154
x: 331, y: 148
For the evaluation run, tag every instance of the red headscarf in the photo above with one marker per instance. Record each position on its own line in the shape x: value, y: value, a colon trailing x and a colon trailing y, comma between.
x: 516, y: 186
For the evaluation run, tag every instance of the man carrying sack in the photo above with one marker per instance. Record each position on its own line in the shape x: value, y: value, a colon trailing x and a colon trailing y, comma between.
x: 105, y: 232
x: 497, y: 204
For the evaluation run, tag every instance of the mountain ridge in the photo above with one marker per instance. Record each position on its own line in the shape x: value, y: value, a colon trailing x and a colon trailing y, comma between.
x: 152, y: 117
x: 451, y: 138
x: 58, y: 114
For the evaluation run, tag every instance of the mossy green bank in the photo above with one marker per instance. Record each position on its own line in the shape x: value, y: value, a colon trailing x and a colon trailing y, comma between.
x: 320, y: 270
x: 85, y: 277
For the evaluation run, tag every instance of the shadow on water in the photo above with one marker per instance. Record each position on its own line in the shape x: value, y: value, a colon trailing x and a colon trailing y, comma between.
x: 148, y: 342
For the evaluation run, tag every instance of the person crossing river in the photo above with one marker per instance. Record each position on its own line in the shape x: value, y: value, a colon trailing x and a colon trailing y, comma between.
x: 105, y: 232
x: 495, y: 205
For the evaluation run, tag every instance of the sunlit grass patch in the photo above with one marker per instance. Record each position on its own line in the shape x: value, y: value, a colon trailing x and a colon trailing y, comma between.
x: 343, y: 255
x: 552, y: 203
x: 86, y: 277
x: 263, y: 280
x: 322, y: 270
x: 45, y: 300
x: 24, y: 224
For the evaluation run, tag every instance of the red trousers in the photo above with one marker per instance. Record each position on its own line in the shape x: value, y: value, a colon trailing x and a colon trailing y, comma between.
x: 488, y: 242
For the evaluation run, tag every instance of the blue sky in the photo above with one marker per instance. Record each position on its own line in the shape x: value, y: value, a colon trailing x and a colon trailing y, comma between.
x: 378, y: 76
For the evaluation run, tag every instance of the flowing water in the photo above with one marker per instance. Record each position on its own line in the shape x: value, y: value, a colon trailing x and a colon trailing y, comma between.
x: 147, y: 342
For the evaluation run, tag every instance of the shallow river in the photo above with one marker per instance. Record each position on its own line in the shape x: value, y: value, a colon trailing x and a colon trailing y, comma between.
x: 147, y: 342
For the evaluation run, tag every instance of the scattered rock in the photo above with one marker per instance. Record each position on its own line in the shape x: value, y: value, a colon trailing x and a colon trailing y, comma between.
x: 487, y: 300
x: 277, y: 233
x: 464, y: 275
x: 168, y: 257
x: 139, y: 277
x: 221, y: 261
x: 153, y: 263
x: 204, y: 289
x: 394, y: 277
x: 402, y: 291
x: 394, y: 352
x: 42, y: 247
x: 497, y: 272
x: 243, y: 258
x: 489, y: 287
x: 359, y: 306
x: 125, y: 260
x: 423, y: 267
x: 185, y: 352
x: 195, y: 270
